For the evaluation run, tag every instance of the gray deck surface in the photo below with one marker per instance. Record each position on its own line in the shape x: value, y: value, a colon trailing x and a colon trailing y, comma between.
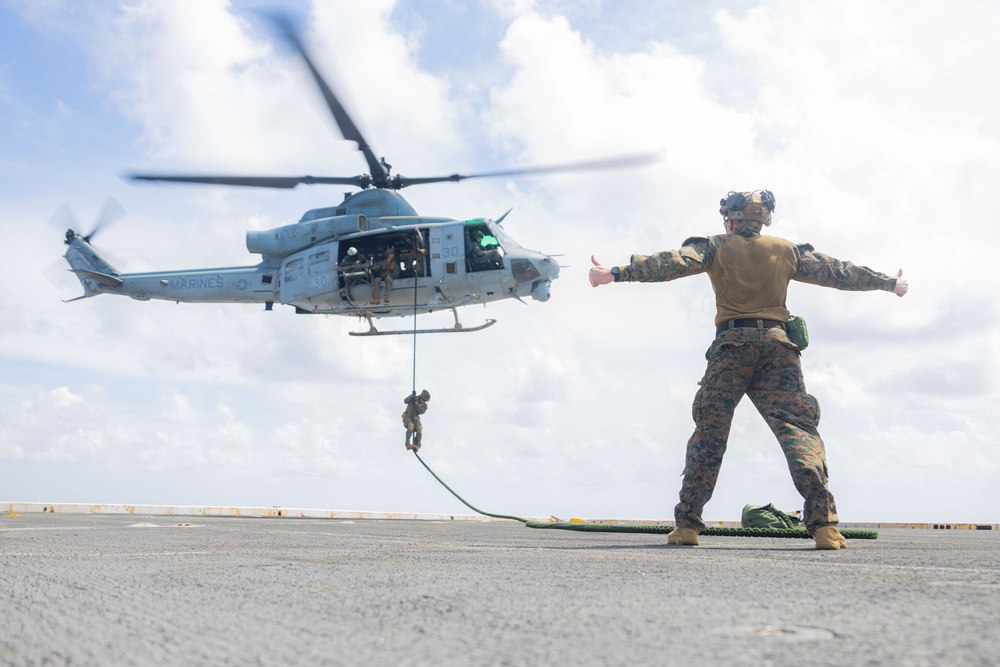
x: 160, y: 590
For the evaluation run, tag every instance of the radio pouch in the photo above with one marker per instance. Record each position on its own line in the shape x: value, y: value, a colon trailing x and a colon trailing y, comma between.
x: 797, y: 332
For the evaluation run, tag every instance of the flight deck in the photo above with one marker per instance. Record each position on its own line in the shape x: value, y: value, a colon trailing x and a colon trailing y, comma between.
x: 174, y: 589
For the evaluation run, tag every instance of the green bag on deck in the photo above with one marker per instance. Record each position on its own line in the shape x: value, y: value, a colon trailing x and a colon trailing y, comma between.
x: 768, y: 516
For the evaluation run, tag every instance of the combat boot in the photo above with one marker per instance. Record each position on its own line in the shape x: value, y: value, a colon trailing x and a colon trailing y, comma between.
x: 829, y: 538
x: 686, y: 536
x: 414, y: 447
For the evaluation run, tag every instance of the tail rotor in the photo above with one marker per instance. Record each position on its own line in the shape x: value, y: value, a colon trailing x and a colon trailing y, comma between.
x: 66, y: 219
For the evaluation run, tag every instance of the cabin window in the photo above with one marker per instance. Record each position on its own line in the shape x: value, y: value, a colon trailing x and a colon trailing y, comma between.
x: 293, y: 270
x: 451, y: 267
x: 266, y: 279
x: 319, y: 262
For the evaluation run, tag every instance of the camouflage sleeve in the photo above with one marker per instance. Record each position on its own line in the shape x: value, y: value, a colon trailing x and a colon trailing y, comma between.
x: 692, y: 258
x: 817, y: 268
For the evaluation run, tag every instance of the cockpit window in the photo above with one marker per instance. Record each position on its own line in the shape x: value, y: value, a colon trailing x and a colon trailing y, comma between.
x: 506, y: 241
x: 483, y: 250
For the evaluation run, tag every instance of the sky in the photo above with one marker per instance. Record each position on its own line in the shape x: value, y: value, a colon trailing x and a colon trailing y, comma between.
x: 874, y: 123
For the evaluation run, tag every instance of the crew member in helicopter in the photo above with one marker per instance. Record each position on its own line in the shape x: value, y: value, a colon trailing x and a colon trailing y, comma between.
x: 488, y: 241
x: 352, y: 269
x: 387, y: 271
x: 351, y: 261
x: 416, y: 405
x: 414, y: 260
x: 752, y: 353
x: 483, y: 256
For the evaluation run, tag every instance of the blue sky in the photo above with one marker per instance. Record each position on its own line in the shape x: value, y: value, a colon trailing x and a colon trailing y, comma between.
x: 870, y: 121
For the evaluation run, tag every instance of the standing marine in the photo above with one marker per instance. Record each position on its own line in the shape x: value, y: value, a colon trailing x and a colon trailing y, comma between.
x: 388, y: 270
x: 752, y: 353
x: 416, y: 405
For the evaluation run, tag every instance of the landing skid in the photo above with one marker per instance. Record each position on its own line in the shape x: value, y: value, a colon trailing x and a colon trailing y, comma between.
x: 458, y: 328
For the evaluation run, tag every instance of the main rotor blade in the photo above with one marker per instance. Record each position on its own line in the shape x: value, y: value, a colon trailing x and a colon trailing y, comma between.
x: 606, y: 163
x: 257, y: 181
x: 344, y: 122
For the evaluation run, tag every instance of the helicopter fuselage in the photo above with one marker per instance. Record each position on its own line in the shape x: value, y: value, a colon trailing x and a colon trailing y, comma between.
x: 308, y: 265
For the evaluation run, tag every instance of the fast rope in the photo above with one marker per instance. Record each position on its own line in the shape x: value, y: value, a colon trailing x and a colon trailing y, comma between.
x: 418, y: 257
x: 720, y: 531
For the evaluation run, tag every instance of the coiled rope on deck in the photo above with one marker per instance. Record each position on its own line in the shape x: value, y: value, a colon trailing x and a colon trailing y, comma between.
x: 719, y: 531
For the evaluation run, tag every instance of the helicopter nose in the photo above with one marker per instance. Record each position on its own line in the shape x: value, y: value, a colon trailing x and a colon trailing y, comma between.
x: 549, y: 267
x: 537, y: 270
x: 532, y: 266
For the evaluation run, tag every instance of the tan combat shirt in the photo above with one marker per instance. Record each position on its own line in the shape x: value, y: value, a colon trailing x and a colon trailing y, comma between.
x: 750, y: 273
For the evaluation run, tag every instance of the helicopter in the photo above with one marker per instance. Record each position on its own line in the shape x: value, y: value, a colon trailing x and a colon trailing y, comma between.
x: 327, y: 262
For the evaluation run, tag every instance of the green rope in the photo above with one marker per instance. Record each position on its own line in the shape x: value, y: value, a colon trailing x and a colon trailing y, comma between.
x: 474, y: 509
x: 718, y: 531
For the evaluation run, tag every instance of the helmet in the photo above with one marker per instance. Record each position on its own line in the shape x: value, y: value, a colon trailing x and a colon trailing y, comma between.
x: 426, y: 395
x: 753, y: 206
x: 351, y: 252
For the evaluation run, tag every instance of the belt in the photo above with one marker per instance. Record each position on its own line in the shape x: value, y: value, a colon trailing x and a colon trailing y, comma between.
x: 753, y: 324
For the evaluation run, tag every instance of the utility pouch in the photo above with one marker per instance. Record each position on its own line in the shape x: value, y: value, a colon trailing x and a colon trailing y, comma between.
x: 797, y: 332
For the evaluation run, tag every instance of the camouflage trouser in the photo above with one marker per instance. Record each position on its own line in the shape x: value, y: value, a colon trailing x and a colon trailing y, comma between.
x: 765, y: 366
x: 377, y: 286
x: 413, y: 428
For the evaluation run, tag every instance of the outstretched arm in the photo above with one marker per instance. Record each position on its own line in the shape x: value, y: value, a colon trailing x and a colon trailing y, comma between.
x: 691, y: 258
x: 817, y: 268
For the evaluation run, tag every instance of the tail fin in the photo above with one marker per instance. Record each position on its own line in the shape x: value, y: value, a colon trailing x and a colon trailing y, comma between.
x: 93, y: 271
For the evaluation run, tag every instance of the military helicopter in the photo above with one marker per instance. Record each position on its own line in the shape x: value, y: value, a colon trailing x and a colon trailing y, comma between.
x: 326, y: 263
